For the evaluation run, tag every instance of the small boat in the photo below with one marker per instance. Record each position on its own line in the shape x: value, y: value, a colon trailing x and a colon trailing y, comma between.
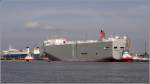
x: 28, y: 58
x: 126, y: 57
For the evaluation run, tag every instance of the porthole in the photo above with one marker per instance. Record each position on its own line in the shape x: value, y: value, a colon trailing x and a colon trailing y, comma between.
x: 96, y: 53
x: 106, y: 47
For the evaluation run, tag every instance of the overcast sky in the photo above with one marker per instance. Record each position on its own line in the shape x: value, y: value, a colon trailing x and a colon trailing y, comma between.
x: 30, y: 22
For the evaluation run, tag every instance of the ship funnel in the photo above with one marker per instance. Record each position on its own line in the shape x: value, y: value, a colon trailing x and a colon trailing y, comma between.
x: 102, y: 35
x: 28, y: 49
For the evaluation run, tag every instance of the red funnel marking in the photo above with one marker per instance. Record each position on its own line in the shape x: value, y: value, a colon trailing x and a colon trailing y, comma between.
x: 102, y: 35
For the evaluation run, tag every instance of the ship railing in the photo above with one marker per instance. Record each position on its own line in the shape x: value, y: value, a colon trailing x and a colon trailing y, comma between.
x: 72, y: 42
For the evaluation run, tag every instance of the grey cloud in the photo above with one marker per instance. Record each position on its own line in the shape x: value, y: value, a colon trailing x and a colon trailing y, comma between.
x: 37, y: 25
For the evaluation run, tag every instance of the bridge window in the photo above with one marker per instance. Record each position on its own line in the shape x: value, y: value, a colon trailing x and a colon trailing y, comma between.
x: 115, y: 47
x: 121, y: 47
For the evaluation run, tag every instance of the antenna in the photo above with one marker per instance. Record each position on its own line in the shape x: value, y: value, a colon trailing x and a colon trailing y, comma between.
x: 98, y: 28
x: 145, y: 48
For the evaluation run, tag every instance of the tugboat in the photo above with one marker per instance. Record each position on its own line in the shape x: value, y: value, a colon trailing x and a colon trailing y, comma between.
x: 126, y: 57
x: 29, y: 58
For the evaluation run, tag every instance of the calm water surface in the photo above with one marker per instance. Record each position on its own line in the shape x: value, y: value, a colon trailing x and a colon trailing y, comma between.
x: 74, y: 72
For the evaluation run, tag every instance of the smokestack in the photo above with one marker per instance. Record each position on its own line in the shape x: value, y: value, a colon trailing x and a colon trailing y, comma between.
x: 28, y: 49
x: 102, y: 35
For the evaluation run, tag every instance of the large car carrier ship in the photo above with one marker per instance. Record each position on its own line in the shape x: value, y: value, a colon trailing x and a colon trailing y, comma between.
x: 90, y: 50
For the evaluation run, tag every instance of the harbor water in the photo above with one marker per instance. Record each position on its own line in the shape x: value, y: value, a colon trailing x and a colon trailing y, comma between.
x: 74, y: 72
